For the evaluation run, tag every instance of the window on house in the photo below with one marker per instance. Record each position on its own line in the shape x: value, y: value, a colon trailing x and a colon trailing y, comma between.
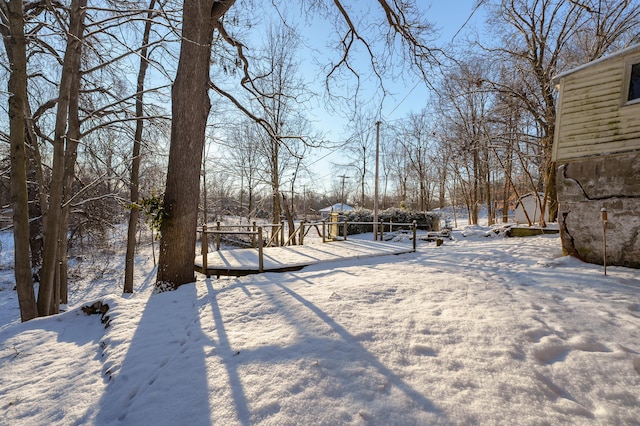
x: 634, y: 83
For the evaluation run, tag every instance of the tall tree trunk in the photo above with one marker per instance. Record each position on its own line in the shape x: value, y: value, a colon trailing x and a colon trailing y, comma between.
x: 475, y: 194
x: 71, y: 66
x: 190, y: 108
x: 275, y: 179
x: 134, y: 212
x: 19, y: 193
x: 37, y: 193
x: 35, y: 185
x: 250, y: 207
x: 290, y: 223
x: 507, y: 185
x: 363, y: 175
x: 489, y: 198
x: 35, y: 178
x: 70, y: 156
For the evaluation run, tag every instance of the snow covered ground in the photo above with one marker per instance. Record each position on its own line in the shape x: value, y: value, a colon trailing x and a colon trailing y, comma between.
x: 481, y: 330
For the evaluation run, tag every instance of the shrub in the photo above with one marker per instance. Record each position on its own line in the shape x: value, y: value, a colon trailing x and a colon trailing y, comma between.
x: 428, y: 221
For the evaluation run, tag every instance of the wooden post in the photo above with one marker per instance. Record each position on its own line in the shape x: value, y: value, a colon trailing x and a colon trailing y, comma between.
x: 282, y: 240
x: 274, y: 231
x: 302, y: 232
x: 334, y: 229
x: 253, y: 236
x: 344, y: 230
x: 415, y: 232
x: 324, y: 226
x: 218, y: 236
x: 204, y: 249
x: 260, y: 249
x: 381, y: 231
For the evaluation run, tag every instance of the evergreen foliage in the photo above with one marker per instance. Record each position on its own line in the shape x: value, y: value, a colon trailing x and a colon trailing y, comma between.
x: 428, y: 221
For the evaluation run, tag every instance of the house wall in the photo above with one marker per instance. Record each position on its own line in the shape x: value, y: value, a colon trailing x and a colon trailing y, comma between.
x: 594, y: 116
x: 584, y: 188
x: 597, y: 155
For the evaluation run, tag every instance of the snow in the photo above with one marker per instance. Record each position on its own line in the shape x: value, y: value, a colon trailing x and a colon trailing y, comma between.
x: 481, y: 330
x: 281, y: 258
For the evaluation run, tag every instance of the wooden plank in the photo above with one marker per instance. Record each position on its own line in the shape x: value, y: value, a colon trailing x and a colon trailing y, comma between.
x: 594, y: 125
x: 596, y: 88
x: 596, y: 137
x: 580, y: 110
x: 595, y: 101
x: 591, y: 150
x: 605, y: 67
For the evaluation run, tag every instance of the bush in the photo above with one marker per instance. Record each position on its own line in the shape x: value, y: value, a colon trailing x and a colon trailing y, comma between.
x: 428, y: 221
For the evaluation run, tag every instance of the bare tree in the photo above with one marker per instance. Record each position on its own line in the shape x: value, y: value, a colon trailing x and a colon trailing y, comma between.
x: 608, y: 25
x: 49, y: 292
x: 281, y: 94
x: 399, y: 169
x: 360, y: 149
x: 464, y: 105
x: 533, y: 36
x: 415, y: 135
x: 243, y: 140
x: 190, y: 106
x: 13, y: 33
x: 190, y: 109
x: 540, y: 38
x: 134, y: 211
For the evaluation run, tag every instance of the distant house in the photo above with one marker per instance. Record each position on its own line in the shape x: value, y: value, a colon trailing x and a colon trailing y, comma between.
x: 597, y: 154
x: 338, y: 208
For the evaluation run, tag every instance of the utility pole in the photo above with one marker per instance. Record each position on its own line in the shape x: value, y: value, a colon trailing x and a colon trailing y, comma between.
x: 343, y: 177
x: 375, y: 191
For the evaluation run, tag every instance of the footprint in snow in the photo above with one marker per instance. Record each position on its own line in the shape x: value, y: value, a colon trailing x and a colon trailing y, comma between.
x: 587, y: 344
x: 550, y: 350
x: 423, y: 350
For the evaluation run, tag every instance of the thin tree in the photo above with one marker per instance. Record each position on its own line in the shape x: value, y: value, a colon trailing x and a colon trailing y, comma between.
x: 47, y: 301
x: 134, y: 212
x: 16, y: 52
x: 359, y: 149
x: 415, y: 140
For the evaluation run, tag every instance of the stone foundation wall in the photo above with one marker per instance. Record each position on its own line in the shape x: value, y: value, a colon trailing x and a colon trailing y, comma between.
x: 584, y: 188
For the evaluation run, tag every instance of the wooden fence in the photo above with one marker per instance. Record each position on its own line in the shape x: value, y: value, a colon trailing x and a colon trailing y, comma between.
x: 327, y: 230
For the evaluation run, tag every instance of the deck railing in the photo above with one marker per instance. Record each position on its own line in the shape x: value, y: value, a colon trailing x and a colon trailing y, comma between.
x: 256, y: 232
x: 328, y: 231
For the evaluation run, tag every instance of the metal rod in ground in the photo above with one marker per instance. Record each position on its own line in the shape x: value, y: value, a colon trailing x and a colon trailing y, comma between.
x: 603, y: 216
x: 604, y: 238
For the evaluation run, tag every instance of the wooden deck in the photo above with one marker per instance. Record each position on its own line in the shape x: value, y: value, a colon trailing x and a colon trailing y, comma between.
x: 240, y: 262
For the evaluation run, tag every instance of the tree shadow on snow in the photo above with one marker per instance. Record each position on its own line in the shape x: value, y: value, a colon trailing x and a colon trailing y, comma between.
x: 362, y: 355
x: 162, y: 378
x: 321, y: 357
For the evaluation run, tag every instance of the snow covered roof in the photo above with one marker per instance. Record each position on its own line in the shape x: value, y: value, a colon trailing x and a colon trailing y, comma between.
x: 625, y: 51
x: 337, y: 207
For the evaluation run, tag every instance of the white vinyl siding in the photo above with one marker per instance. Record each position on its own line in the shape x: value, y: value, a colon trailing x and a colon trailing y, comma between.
x: 594, y: 114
